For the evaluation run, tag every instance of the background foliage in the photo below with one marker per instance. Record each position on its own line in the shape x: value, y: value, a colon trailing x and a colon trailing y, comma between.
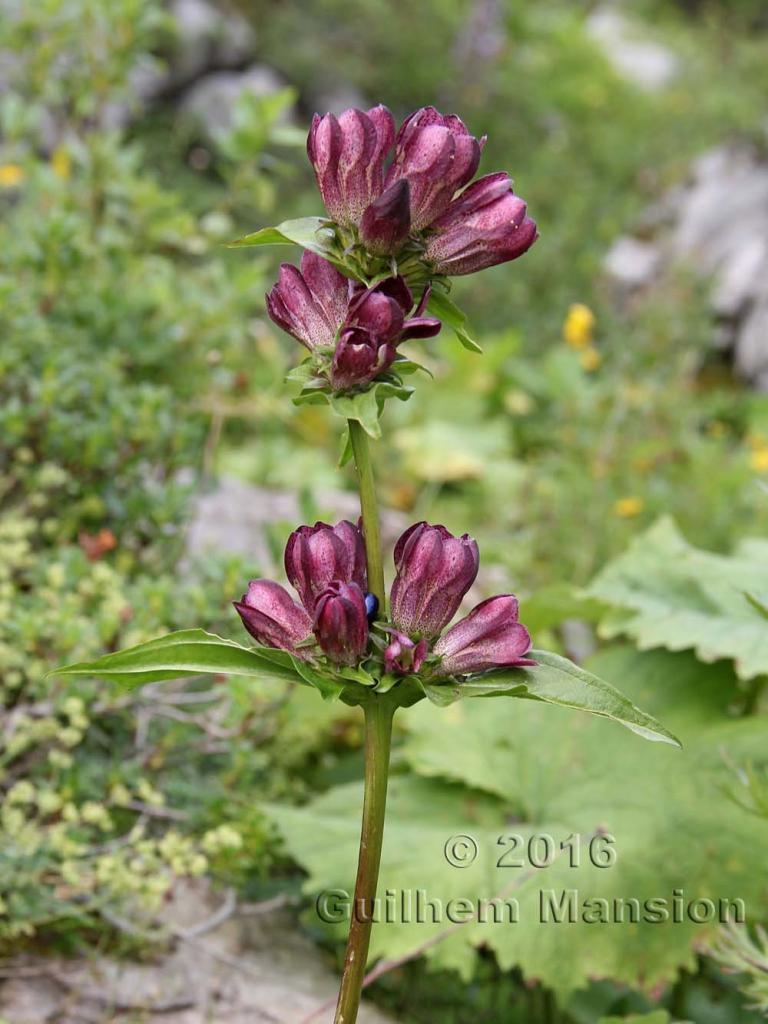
x: 136, y: 363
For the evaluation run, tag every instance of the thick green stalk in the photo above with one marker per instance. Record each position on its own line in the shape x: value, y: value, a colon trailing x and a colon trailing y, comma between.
x: 369, y: 509
x: 379, y: 710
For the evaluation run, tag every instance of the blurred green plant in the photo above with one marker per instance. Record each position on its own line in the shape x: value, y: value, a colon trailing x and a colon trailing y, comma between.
x: 741, y: 953
x: 114, y: 322
x: 119, y: 305
x: 497, y: 776
x: 663, y: 592
x: 126, y: 331
x: 84, y: 828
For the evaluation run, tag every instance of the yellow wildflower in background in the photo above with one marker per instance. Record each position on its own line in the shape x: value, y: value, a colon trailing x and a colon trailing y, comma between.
x: 758, y: 460
x: 578, y: 326
x: 61, y: 163
x: 11, y: 175
x: 590, y: 359
x: 717, y: 429
x: 627, y: 508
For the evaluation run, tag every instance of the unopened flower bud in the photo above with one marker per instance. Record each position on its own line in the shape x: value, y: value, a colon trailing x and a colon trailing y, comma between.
x: 341, y: 623
x: 348, y: 153
x: 385, y: 224
x: 437, y: 156
x: 489, y: 637
x: 434, y: 572
x: 272, y: 617
x: 359, y: 358
x: 402, y: 655
x: 310, y: 303
x: 485, y: 225
x: 316, y: 555
x: 375, y: 324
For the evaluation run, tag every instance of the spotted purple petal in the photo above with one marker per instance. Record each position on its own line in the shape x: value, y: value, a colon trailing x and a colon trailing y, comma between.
x: 434, y: 572
x: 489, y: 637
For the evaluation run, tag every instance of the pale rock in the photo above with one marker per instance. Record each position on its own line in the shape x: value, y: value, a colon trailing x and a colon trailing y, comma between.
x: 338, y: 99
x: 209, y: 102
x: 722, y: 232
x: 207, y: 36
x: 717, y: 226
x: 752, y: 344
x: 641, y: 61
x: 740, y: 278
x: 254, y: 968
x: 232, y: 518
x: 724, y: 208
x: 30, y: 999
x: 631, y: 262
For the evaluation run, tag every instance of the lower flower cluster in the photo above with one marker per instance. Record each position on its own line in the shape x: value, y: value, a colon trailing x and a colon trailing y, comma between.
x: 337, y: 619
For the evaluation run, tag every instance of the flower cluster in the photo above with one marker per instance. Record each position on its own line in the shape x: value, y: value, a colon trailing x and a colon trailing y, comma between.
x: 418, y: 199
x: 433, y: 572
x: 353, y: 331
x: 404, y: 213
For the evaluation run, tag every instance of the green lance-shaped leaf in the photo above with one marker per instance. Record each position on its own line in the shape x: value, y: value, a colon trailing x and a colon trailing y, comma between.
x: 447, y: 311
x: 556, y: 680
x: 190, y: 652
x: 313, y: 233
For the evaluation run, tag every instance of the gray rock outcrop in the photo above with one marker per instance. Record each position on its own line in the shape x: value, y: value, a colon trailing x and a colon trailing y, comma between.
x: 717, y: 225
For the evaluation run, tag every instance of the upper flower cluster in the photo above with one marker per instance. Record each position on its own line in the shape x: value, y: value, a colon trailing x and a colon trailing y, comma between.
x: 416, y: 203
x: 434, y: 570
x: 404, y: 214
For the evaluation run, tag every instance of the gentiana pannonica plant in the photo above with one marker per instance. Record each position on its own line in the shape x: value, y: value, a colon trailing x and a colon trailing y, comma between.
x: 403, y: 216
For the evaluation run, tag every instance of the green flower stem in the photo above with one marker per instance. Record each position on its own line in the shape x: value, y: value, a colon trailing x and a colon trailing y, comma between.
x: 379, y: 711
x: 369, y: 509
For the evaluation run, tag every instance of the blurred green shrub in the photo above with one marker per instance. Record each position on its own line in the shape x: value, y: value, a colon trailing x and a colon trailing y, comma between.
x: 115, y: 326
x: 131, y: 339
x: 128, y: 334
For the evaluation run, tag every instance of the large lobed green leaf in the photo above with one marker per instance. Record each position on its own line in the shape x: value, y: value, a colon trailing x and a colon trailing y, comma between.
x: 190, y: 652
x: 488, y: 769
x: 666, y: 593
